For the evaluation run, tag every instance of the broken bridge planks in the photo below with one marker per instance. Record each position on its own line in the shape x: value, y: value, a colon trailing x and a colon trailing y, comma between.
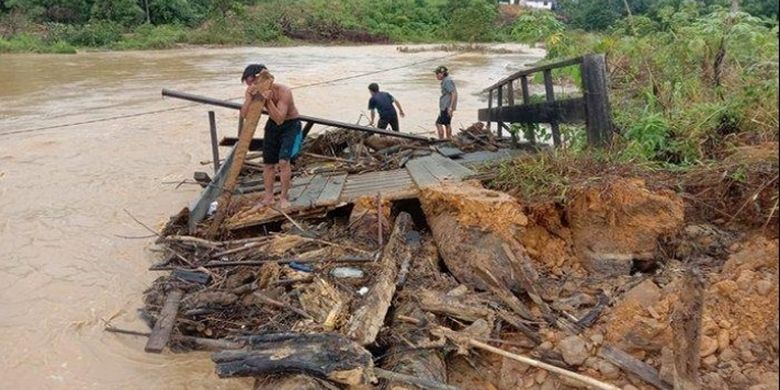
x: 433, y: 169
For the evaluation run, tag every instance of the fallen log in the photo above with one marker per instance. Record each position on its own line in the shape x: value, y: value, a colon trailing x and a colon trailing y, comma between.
x: 471, y: 225
x: 368, y: 319
x: 326, y: 355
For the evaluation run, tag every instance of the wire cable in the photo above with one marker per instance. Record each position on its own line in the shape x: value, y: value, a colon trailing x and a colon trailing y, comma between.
x: 112, y: 118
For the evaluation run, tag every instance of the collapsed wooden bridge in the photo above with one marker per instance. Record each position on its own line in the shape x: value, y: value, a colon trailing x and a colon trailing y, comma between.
x: 319, y: 327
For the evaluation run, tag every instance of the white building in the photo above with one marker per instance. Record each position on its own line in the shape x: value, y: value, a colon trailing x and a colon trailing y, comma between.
x: 542, y: 4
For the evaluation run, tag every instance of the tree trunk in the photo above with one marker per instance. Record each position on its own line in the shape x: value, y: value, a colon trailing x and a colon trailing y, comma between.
x: 368, y: 319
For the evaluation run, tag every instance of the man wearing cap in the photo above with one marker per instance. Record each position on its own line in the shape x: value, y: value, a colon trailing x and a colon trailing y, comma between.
x: 448, y: 102
x: 383, y: 103
x: 282, y: 137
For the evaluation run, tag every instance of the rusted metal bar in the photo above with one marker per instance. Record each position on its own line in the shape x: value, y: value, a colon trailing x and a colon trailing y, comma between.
x: 214, y: 141
x: 303, y: 118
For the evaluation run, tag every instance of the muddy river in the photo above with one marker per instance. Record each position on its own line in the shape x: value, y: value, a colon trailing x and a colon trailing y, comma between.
x: 71, y: 257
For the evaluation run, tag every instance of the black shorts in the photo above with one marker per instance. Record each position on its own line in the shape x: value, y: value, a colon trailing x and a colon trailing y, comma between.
x: 393, y: 122
x: 444, y: 118
x: 281, y: 142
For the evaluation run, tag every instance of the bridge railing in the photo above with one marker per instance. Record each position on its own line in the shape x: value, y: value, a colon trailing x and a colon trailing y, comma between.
x: 592, y: 108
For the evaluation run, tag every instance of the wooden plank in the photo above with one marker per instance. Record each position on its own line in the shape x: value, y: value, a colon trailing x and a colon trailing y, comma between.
x: 550, y: 94
x: 308, y: 197
x: 164, y: 325
x: 561, y: 111
x: 420, y: 174
x: 449, y: 151
x: 633, y: 366
x: 511, y: 93
x: 332, y: 191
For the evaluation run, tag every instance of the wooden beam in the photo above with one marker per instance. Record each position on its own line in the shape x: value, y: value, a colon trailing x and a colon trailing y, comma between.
x: 550, y: 94
x: 262, y: 83
x: 489, y: 118
x: 499, y: 128
x: 562, y: 111
x: 595, y: 89
x: 164, y: 325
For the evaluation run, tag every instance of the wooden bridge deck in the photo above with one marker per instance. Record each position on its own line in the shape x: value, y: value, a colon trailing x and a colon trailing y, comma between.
x: 321, y: 192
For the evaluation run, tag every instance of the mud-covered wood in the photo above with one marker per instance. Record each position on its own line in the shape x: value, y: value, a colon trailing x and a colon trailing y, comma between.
x: 164, y: 325
x: 368, y: 319
x: 329, y: 356
x: 633, y: 366
x: 263, y: 83
x: 686, y: 328
x: 466, y: 307
x: 464, y: 248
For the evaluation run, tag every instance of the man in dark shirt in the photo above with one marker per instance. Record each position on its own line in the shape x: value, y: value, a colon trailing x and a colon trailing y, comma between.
x: 383, y: 102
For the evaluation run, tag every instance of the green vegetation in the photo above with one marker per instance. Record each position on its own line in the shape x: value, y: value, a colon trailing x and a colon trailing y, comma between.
x: 685, y: 85
x: 126, y: 24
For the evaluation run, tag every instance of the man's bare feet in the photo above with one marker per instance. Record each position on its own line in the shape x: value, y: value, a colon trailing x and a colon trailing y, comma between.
x: 284, y: 203
x: 267, y: 201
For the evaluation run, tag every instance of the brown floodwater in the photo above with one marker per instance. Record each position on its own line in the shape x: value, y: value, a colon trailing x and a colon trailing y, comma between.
x: 70, y: 261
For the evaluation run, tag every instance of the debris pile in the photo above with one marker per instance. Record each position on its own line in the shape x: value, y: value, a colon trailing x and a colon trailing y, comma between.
x: 470, y: 288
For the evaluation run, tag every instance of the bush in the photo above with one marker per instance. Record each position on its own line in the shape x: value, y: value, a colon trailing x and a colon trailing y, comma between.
x: 153, y: 37
x: 98, y: 34
x: 25, y: 43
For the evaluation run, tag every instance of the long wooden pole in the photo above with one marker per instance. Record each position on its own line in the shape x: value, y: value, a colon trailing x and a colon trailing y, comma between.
x: 262, y: 83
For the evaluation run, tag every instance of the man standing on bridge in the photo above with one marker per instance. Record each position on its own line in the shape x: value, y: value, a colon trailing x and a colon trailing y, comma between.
x: 383, y: 102
x: 448, y: 102
x: 282, y: 137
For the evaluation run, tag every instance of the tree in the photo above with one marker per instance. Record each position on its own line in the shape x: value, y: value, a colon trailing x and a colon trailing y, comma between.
x: 125, y: 12
x: 472, y: 20
x: 171, y: 12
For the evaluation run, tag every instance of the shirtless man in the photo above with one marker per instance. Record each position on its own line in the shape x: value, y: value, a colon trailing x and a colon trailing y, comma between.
x: 282, y: 138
